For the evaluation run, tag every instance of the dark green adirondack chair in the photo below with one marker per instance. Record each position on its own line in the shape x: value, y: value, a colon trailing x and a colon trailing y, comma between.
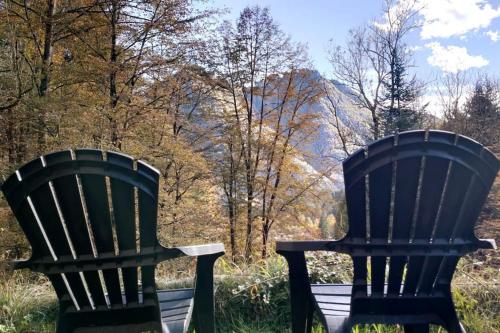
x: 413, y: 200
x: 73, y: 207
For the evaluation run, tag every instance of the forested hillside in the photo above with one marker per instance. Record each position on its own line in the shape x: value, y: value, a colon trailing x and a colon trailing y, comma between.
x: 233, y: 118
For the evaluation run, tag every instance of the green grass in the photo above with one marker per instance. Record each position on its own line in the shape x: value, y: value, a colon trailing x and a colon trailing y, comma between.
x: 255, y: 298
x: 27, y: 304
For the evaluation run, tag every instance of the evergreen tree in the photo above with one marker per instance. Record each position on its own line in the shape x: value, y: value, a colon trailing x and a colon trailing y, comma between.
x: 401, y: 111
x: 482, y: 112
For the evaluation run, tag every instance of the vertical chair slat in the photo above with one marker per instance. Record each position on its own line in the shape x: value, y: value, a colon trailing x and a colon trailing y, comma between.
x: 445, y: 274
x: 148, y: 283
x: 380, y: 186
x: 356, y: 208
x: 147, y: 221
x: 39, y: 246
x: 96, y: 199
x: 122, y: 195
x: 30, y: 228
x: 148, y: 207
x: 47, y: 213
x: 479, y: 186
x: 32, y: 223
x: 380, y: 206
x: 473, y: 200
x: 473, y: 196
x: 432, y: 188
x: 29, y: 225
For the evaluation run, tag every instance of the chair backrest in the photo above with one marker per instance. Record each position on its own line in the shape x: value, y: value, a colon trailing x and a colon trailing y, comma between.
x: 417, y: 196
x: 90, y: 217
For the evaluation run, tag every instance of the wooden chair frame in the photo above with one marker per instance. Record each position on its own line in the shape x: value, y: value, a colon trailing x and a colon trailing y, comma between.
x: 90, y: 217
x: 412, y: 200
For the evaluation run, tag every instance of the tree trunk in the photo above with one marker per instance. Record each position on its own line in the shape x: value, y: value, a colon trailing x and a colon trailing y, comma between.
x: 45, y: 72
x: 376, y: 124
x: 47, y: 49
x: 249, y: 236
x: 113, y: 96
x: 232, y: 230
x: 265, y: 238
x: 11, y: 146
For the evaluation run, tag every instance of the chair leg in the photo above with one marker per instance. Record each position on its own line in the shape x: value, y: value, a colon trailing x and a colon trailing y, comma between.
x: 452, y: 322
x: 416, y: 328
x: 203, y: 312
x: 309, y: 319
x: 300, y: 292
x: 455, y: 327
x: 450, y: 317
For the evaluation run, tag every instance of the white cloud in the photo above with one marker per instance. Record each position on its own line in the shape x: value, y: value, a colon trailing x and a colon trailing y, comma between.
x: 415, y: 48
x: 453, y: 58
x: 494, y: 35
x: 447, y: 18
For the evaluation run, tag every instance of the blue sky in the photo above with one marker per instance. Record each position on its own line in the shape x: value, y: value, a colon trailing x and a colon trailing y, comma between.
x: 455, y: 35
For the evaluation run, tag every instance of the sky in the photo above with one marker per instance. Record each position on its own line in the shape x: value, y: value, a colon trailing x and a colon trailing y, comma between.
x: 455, y: 34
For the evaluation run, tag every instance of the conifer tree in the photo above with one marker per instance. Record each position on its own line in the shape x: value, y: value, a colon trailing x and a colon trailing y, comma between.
x: 400, y: 111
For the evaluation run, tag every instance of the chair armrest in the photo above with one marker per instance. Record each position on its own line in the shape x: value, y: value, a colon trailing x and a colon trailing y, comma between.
x: 487, y: 244
x: 202, y: 250
x: 162, y: 253
x: 301, y: 246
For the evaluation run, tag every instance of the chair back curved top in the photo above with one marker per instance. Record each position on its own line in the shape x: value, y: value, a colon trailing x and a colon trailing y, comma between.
x: 417, y: 195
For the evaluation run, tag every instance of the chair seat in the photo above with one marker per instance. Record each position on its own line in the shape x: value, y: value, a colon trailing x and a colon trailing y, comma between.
x: 333, y: 299
x: 176, y: 307
x: 334, y: 303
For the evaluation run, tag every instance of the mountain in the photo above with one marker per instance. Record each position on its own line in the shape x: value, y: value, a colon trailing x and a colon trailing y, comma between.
x: 322, y: 151
x: 337, y: 111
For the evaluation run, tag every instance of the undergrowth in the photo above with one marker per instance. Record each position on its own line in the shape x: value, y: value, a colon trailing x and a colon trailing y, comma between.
x: 254, y: 298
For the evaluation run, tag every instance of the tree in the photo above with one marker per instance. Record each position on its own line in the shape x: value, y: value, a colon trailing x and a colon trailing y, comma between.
x: 263, y: 93
x: 361, y: 67
x: 452, y: 90
x: 474, y: 111
x: 116, y: 75
x: 131, y: 44
x: 37, y: 33
x: 372, y: 64
x: 349, y: 138
x: 293, y: 92
x: 482, y: 110
x: 251, y: 51
x: 401, y: 110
